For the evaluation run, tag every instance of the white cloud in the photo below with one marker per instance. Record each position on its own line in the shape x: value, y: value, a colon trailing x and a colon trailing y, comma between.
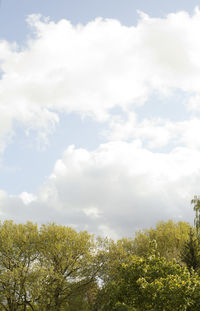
x: 114, y: 190
x: 27, y: 198
x: 156, y: 133
x: 194, y: 103
x: 92, y: 212
x: 93, y: 68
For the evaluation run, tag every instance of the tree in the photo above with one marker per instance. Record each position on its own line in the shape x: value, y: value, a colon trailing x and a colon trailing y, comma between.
x: 152, y: 283
x: 170, y: 238
x: 190, y: 251
x: 68, y: 261
x: 196, y: 208
x: 18, y: 253
x: 57, y: 268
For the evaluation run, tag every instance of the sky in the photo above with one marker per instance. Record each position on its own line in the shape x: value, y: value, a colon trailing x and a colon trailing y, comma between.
x: 99, y: 113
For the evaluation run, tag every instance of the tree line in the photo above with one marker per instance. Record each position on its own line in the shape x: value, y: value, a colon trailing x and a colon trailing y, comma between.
x: 56, y: 268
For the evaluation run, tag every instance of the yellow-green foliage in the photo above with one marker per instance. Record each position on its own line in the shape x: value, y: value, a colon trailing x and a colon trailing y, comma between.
x: 56, y: 268
x: 170, y: 238
x: 152, y: 283
x: 42, y: 269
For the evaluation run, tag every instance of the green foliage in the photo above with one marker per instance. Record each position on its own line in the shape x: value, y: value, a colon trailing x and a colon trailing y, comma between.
x: 44, y: 269
x: 196, y: 208
x: 114, y: 253
x: 170, y: 238
x: 18, y: 254
x: 152, y: 283
x: 190, y: 252
x: 67, y: 258
x: 56, y: 268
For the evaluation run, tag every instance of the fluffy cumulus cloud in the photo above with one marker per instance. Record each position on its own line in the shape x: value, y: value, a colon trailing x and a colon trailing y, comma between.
x: 91, y: 70
x: 157, y: 132
x: 114, y: 190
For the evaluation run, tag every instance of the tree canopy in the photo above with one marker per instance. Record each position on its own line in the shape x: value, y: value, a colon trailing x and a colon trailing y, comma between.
x: 54, y: 267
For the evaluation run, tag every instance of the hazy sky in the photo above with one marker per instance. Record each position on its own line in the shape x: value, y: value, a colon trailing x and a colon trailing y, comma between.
x: 99, y: 112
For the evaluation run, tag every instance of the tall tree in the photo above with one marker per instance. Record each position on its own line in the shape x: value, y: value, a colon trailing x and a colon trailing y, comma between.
x: 68, y: 261
x: 196, y: 208
x: 170, y: 238
x: 190, y: 251
x: 18, y: 253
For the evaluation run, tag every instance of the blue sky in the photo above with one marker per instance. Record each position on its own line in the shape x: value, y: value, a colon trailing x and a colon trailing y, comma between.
x: 14, y: 12
x: 99, y: 112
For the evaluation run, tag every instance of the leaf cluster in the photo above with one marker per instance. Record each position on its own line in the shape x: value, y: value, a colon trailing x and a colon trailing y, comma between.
x: 56, y: 268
